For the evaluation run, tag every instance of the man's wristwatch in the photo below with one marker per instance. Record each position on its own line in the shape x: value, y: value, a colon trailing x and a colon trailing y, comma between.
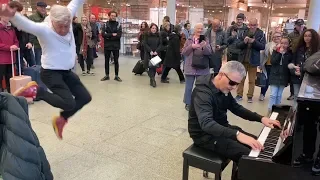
x: 238, y: 132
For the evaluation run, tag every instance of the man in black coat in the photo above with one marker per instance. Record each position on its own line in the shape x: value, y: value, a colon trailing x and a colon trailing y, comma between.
x: 208, y: 122
x: 95, y: 30
x: 112, y: 32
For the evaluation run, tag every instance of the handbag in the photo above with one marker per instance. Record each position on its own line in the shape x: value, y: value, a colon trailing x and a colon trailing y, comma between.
x: 200, y: 61
x: 155, y: 60
x: 261, y: 80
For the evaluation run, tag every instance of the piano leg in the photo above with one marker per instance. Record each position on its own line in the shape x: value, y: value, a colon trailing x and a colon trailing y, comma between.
x: 185, y: 175
x: 217, y: 176
x: 234, y: 171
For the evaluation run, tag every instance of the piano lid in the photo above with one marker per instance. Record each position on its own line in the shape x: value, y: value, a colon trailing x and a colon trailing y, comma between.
x: 310, y: 88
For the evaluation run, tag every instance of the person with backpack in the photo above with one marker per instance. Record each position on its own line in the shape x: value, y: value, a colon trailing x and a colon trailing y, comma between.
x: 112, y: 32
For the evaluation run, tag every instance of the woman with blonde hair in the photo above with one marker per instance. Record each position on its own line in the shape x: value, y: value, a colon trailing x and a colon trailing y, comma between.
x: 56, y: 38
x: 86, y: 45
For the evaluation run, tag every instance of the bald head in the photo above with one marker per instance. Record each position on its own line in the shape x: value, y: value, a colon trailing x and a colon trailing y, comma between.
x: 215, y: 24
x: 253, y: 24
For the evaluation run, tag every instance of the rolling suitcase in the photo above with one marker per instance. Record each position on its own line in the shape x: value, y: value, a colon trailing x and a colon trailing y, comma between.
x: 138, y: 68
x: 20, y: 81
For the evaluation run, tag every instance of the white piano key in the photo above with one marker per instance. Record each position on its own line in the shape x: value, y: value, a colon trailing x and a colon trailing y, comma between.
x: 263, y: 136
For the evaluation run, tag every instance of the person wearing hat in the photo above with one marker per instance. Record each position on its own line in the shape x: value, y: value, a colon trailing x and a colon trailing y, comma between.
x: 234, y: 34
x: 299, y: 27
x: 38, y: 16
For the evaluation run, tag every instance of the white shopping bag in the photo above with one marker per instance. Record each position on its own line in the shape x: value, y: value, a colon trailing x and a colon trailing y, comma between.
x: 155, y: 60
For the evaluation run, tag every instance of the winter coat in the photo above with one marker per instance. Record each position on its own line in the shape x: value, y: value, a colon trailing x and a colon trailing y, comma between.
x: 23, y: 38
x: 299, y: 58
x: 208, y: 112
x: 279, y: 73
x: 188, y: 51
x: 111, y: 42
x: 95, y: 33
x: 173, y: 55
x: 233, y: 40
x: 221, y: 40
x: 294, y: 38
x: 165, y: 39
x: 264, y: 57
x: 152, y: 42
x: 75, y: 28
x: 36, y: 17
x: 78, y: 36
x: 258, y: 45
x: 21, y: 155
x: 7, y: 38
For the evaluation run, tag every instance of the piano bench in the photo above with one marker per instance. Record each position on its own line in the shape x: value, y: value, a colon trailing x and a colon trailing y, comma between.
x: 206, y: 160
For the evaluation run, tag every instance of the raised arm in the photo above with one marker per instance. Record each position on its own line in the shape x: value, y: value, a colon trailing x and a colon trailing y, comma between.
x: 74, y: 5
x: 25, y: 24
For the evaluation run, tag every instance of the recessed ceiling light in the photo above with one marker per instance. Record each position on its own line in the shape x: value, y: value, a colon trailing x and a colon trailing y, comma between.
x: 220, y: 11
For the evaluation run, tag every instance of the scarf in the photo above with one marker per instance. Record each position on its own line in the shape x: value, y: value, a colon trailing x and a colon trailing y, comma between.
x: 85, y: 40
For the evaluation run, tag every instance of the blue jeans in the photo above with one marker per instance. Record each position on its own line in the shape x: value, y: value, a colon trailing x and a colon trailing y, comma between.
x: 275, y: 95
x: 188, y: 88
x: 37, y: 55
x: 265, y: 89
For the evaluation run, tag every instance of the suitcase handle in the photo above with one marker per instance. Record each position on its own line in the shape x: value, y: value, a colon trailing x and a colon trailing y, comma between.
x: 13, y: 63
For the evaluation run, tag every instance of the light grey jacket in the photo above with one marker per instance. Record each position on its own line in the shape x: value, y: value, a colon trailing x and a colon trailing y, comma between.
x: 264, y: 57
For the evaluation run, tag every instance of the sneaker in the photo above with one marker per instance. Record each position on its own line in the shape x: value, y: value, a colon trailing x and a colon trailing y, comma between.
x: 117, y: 78
x: 105, y: 78
x: 164, y: 81
x: 187, y: 107
x: 58, y: 124
x: 29, y: 91
x: 291, y: 97
x: 250, y: 100
x: 238, y: 98
x: 261, y: 98
x: 90, y: 73
x: 316, y: 167
x: 84, y: 73
x: 302, y: 160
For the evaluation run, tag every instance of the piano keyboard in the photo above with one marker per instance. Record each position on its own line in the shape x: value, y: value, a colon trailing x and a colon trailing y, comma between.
x: 270, y: 139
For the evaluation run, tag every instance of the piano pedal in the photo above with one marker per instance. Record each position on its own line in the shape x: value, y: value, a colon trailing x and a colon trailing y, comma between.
x: 205, y: 174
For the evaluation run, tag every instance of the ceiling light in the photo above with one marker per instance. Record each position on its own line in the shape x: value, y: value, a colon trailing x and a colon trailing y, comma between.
x: 220, y: 11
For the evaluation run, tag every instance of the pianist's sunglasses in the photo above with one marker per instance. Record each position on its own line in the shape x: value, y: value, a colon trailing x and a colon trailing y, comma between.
x: 231, y: 83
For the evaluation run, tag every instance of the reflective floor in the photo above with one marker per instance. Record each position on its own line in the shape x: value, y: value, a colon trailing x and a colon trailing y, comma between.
x: 129, y: 130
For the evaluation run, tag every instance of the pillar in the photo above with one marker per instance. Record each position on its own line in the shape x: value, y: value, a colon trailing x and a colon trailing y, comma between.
x: 171, y: 10
x: 313, y: 15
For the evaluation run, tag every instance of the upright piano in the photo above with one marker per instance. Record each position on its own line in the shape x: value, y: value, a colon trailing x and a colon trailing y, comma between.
x: 275, y: 161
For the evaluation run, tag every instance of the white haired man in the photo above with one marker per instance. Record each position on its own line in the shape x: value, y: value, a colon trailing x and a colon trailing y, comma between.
x: 59, y: 53
x: 208, y: 123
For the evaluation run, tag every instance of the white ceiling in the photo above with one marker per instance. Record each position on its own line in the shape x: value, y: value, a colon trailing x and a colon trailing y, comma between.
x: 280, y: 3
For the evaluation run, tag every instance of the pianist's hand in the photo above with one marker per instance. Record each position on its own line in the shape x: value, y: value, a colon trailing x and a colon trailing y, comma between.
x: 270, y: 123
x: 245, y: 139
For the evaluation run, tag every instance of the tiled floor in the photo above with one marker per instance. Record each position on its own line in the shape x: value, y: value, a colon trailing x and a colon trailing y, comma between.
x: 129, y: 131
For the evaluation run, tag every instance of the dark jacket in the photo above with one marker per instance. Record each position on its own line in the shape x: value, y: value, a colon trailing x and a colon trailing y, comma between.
x: 258, y: 45
x: 152, y: 42
x: 78, y: 32
x: 36, y: 17
x: 294, y: 38
x: 221, y: 40
x: 75, y: 28
x: 23, y: 38
x: 208, y: 112
x: 165, y: 39
x: 95, y: 33
x: 173, y: 55
x: 170, y: 30
x: 111, y: 42
x: 299, y: 58
x: 21, y: 155
x: 233, y: 40
x: 7, y: 38
x: 279, y: 73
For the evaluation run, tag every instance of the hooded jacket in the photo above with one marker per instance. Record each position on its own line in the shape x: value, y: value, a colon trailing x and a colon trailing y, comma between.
x: 208, y: 112
x: 7, y: 38
x: 21, y: 155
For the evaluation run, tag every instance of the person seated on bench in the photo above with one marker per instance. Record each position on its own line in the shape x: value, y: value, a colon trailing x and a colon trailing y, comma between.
x: 208, y: 123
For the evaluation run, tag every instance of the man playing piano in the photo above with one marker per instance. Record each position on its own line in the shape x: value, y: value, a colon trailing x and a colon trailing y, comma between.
x: 208, y: 123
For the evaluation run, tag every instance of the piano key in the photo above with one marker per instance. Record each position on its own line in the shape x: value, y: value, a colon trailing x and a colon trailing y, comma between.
x: 263, y: 136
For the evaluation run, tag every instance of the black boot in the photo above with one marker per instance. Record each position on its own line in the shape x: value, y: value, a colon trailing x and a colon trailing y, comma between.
x: 153, y: 82
x: 105, y: 78
x: 302, y: 160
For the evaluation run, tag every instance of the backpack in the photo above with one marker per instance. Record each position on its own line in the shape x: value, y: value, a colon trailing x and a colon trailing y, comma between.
x: 312, y: 64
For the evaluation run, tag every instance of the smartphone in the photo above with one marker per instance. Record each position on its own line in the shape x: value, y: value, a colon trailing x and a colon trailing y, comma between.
x: 202, y: 38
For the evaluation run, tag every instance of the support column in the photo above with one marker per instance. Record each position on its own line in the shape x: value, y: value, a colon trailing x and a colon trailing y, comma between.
x: 313, y: 15
x: 171, y: 10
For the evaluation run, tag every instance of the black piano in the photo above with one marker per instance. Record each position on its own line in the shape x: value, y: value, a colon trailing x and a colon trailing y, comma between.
x: 275, y: 161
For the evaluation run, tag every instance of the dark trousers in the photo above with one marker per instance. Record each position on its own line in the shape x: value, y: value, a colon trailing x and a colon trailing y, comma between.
x: 291, y: 89
x: 6, y: 73
x: 89, y: 60
x: 152, y: 72
x: 166, y: 72
x: 142, y: 53
x: 37, y: 55
x: 107, y: 54
x: 310, y: 130
x: 265, y: 89
x: 95, y: 55
x: 229, y: 148
x: 68, y: 93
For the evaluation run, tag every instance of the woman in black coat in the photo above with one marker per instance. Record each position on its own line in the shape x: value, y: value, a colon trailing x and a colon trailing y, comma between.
x: 173, y: 55
x: 152, y: 47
